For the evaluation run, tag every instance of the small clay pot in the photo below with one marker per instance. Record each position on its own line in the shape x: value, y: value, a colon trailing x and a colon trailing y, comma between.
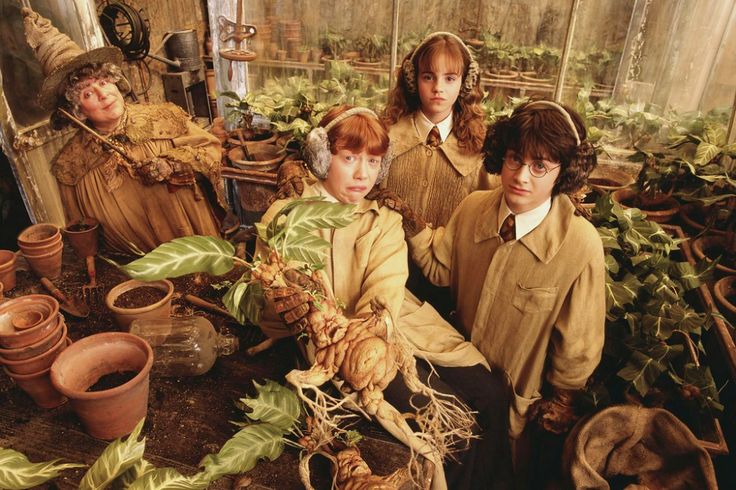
x: 39, y: 362
x: 609, y: 179
x: 39, y: 235
x: 84, y: 241
x: 266, y: 157
x: 47, y: 306
x: 39, y: 387
x: 39, y: 347
x: 663, y: 214
x: 47, y: 264
x: 8, y: 260
x: 124, y: 316
x: 725, y: 292
x: 112, y: 412
x: 702, y: 244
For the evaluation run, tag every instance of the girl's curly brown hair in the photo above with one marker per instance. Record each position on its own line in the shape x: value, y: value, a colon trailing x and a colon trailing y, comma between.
x: 542, y: 130
x: 467, y: 115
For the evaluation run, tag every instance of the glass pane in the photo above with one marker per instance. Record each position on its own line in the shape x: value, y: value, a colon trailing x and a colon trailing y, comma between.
x: 21, y: 73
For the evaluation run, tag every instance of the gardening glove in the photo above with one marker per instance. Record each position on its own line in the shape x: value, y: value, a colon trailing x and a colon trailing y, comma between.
x: 290, y: 179
x: 154, y: 170
x: 413, y: 223
x: 292, y: 303
x: 555, y: 414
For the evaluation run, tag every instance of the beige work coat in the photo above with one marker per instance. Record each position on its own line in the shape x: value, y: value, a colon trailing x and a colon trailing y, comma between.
x: 534, y: 307
x: 368, y: 259
x: 95, y: 182
x: 433, y: 181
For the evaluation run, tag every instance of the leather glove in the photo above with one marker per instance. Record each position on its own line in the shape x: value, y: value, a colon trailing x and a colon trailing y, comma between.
x: 293, y: 302
x: 289, y: 180
x: 555, y: 414
x: 413, y: 223
x: 154, y: 170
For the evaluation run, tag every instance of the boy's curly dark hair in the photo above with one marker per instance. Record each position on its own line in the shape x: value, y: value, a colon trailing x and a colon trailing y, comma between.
x: 542, y: 131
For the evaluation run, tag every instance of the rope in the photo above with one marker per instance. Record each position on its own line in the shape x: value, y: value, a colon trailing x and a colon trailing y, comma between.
x: 136, y: 45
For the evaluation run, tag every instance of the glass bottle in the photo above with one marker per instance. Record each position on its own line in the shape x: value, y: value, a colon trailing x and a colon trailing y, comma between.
x: 183, y: 346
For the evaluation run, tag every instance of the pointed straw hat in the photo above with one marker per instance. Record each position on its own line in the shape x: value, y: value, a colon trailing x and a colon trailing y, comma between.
x: 59, y: 56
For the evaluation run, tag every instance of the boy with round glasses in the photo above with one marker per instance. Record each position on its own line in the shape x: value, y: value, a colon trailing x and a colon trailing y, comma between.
x: 526, y: 270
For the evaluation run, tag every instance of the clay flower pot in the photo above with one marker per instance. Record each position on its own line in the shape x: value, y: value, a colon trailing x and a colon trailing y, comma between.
x: 725, y: 292
x: 716, y: 245
x: 113, y: 412
x: 39, y: 236
x: 44, y: 310
x: 159, y: 309
x: 39, y: 362
x: 83, y: 236
x: 266, y: 157
x: 609, y: 179
x: 7, y: 269
x: 47, y: 263
x: 38, y: 386
x: 662, y: 213
x: 37, y: 348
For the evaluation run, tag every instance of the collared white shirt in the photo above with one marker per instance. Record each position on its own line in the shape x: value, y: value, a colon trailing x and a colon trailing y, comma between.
x: 424, y: 125
x: 525, y: 222
x: 324, y: 192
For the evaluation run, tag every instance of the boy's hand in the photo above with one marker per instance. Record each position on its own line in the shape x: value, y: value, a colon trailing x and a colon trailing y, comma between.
x: 413, y: 223
x: 555, y: 414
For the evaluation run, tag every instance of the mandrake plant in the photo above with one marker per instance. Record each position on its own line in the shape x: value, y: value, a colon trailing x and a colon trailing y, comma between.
x: 356, y: 353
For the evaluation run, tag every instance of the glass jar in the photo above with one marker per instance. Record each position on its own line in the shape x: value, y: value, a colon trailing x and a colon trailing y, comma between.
x: 183, y: 346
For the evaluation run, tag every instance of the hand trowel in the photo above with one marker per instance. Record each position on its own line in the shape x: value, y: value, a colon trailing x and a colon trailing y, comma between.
x: 74, y: 306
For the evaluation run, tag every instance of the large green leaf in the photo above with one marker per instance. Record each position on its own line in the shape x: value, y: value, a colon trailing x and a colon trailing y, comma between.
x: 305, y: 247
x: 16, y: 472
x: 115, y: 460
x: 319, y: 215
x: 241, y: 452
x: 275, y: 404
x: 169, y: 479
x: 705, y: 153
x: 140, y: 468
x: 252, y: 303
x: 232, y: 300
x: 183, y: 256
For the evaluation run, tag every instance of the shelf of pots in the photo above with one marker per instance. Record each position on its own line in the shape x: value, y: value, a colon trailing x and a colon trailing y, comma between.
x: 653, y: 354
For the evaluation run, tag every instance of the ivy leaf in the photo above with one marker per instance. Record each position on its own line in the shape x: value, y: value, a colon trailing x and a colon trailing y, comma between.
x: 183, y: 256
x: 275, y: 404
x: 169, y: 479
x: 17, y: 472
x: 641, y: 371
x: 115, y: 460
x: 241, y: 452
x: 658, y: 326
x: 705, y: 153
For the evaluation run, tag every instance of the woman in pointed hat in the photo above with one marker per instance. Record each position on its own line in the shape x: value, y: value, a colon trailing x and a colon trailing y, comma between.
x: 149, y: 190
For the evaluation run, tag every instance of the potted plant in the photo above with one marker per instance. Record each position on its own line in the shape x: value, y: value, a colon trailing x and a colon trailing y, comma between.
x: 241, y: 115
x: 333, y: 45
x: 83, y: 236
x: 373, y: 48
x: 651, y: 353
x: 133, y: 299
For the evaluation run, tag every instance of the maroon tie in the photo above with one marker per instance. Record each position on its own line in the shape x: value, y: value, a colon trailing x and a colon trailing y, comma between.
x: 508, y: 229
x: 433, y: 138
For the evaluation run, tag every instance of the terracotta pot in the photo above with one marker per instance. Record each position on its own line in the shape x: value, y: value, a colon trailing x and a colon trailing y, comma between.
x: 124, y: 316
x: 39, y: 387
x: 41, y: 249
x: 8, y: 260
x: 47, y: 306
x: 702, y: 244
x: 112, y: 412
x: 84, y: 242
x: 609, y: 179
x: 694, y: 217
x: 39, y: 235
x: 725, y: 292
x: 47, y: 264
x: 39, y: 347
x: 266, y: 157
x: 39, y: 362
x: 662, y: 214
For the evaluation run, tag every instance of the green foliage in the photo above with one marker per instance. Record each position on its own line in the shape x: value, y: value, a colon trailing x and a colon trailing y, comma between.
x: 183, y: 256
x: 277, y: 410
x: 169, y: 479
x: 115, y: 460
x: 648, y: 321
x: 16, y: 472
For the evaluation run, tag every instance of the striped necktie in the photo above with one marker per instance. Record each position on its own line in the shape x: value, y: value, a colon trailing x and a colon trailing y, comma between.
x: 433, y: 138
x: 508, y: 229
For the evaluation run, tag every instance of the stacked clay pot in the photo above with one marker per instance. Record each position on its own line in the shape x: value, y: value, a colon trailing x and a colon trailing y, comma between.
x: 32, y: 334
x: 7, y: 269
x: 42, y: 246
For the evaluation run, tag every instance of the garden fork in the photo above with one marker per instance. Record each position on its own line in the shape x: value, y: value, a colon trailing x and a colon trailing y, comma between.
x: 91, y: 291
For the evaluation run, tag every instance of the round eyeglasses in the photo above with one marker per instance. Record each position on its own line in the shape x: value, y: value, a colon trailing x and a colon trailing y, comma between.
x: 537, y: 168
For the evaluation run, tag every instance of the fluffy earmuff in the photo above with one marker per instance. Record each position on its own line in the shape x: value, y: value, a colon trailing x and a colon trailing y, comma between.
x: 317, y: 146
